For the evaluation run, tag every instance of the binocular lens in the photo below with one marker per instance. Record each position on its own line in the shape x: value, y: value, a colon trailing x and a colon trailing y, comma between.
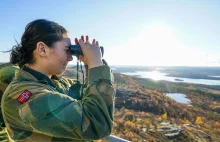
x: 75, y: 50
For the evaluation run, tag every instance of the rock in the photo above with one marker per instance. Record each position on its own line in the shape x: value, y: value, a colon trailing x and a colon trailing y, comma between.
x: 170, y: 130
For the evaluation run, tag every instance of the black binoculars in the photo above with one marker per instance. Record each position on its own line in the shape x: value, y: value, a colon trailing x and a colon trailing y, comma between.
x: 75, y: 50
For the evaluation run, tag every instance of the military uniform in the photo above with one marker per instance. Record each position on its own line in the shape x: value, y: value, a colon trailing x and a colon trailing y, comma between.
x: 36, y: 108
x: 7, y: 72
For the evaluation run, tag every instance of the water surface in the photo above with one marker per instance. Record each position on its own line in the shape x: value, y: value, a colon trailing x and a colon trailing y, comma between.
x: 156, y: 75
x: 179, y: 97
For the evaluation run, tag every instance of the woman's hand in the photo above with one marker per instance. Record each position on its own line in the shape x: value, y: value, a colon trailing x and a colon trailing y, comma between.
x: 91, y: 52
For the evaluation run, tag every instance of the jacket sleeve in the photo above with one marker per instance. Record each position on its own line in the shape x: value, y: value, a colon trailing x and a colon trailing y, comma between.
x: 59, y: 115
x: 87, y: 73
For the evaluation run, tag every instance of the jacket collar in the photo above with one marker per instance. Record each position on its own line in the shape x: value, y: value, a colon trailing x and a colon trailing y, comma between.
x: 28, y: 74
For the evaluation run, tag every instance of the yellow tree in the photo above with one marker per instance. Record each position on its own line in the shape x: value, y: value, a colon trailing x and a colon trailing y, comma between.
x: 164, y: 116
x: 198, y: 120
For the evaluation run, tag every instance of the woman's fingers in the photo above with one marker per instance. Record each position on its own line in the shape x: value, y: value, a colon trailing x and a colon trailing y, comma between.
x: 87, y: 38
x: 76, y: 41
x: 93, y: 41
x: 81, y: 58
x: 82, y: 41
x: 82, y: 37
x: 97, y: 43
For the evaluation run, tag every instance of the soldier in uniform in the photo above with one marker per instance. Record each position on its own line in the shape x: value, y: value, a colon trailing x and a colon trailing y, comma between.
x: 40, y: 106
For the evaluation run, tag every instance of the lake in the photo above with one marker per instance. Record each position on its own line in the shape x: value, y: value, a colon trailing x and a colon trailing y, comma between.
x: 179, y: 97
x: 156, y: 75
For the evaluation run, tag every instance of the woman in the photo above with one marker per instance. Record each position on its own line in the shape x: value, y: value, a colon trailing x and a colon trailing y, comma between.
x: 35, y: 108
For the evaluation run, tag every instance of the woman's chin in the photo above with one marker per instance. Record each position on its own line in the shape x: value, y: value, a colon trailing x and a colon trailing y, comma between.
x: 60, y: 72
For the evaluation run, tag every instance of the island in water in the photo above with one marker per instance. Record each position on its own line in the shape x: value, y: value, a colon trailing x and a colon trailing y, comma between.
x: 177, y: 79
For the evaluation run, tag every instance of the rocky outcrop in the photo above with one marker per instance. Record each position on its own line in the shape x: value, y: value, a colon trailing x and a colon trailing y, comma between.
x: 170, y: 130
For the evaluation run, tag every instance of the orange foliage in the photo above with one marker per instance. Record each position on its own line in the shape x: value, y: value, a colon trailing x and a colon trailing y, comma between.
x: 187, y: 121
x: 217, y: 124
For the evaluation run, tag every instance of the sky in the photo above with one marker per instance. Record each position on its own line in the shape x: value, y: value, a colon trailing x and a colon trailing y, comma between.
x: 132, y: 32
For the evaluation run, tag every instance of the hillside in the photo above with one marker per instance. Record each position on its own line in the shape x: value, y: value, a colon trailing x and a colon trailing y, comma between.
x: 145, y: 113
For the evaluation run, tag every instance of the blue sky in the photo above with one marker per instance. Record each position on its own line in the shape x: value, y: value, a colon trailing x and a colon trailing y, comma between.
x: 133, y: 32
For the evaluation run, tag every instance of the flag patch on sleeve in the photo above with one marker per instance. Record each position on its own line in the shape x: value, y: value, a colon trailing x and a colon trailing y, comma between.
x: 24, y: 96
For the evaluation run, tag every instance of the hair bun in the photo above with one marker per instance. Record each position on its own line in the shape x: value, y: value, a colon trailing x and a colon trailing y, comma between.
x: 17, y: 54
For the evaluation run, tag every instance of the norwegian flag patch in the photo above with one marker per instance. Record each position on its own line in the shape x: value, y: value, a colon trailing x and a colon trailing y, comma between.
x: 24, y: 96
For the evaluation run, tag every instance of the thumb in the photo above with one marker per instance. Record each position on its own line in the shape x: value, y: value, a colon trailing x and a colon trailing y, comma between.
x: 81, y: 58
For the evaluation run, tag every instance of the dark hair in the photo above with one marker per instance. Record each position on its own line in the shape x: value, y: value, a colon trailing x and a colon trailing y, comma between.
x: 39, y: 30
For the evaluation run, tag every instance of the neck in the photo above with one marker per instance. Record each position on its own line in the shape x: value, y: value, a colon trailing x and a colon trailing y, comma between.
x: 39, y: 68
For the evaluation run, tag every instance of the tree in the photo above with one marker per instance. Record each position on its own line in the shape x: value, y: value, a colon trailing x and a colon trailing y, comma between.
x: 164, y: 116
x: 198, y: 120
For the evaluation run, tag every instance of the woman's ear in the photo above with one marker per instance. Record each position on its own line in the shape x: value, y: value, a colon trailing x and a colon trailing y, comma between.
x: 41, y: 49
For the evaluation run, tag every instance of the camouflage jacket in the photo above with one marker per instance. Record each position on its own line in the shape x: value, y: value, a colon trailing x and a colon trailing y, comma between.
x: 50, y: 113
x: 7, y: 72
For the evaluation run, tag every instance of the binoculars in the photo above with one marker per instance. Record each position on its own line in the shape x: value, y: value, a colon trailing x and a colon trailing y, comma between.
x: 75, y: 50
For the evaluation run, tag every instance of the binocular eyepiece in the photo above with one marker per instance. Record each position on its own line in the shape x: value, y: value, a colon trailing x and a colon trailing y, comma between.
x: 76, y: 50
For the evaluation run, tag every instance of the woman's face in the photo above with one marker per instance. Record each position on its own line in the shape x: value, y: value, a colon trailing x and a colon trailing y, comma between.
x: 59, y: 56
